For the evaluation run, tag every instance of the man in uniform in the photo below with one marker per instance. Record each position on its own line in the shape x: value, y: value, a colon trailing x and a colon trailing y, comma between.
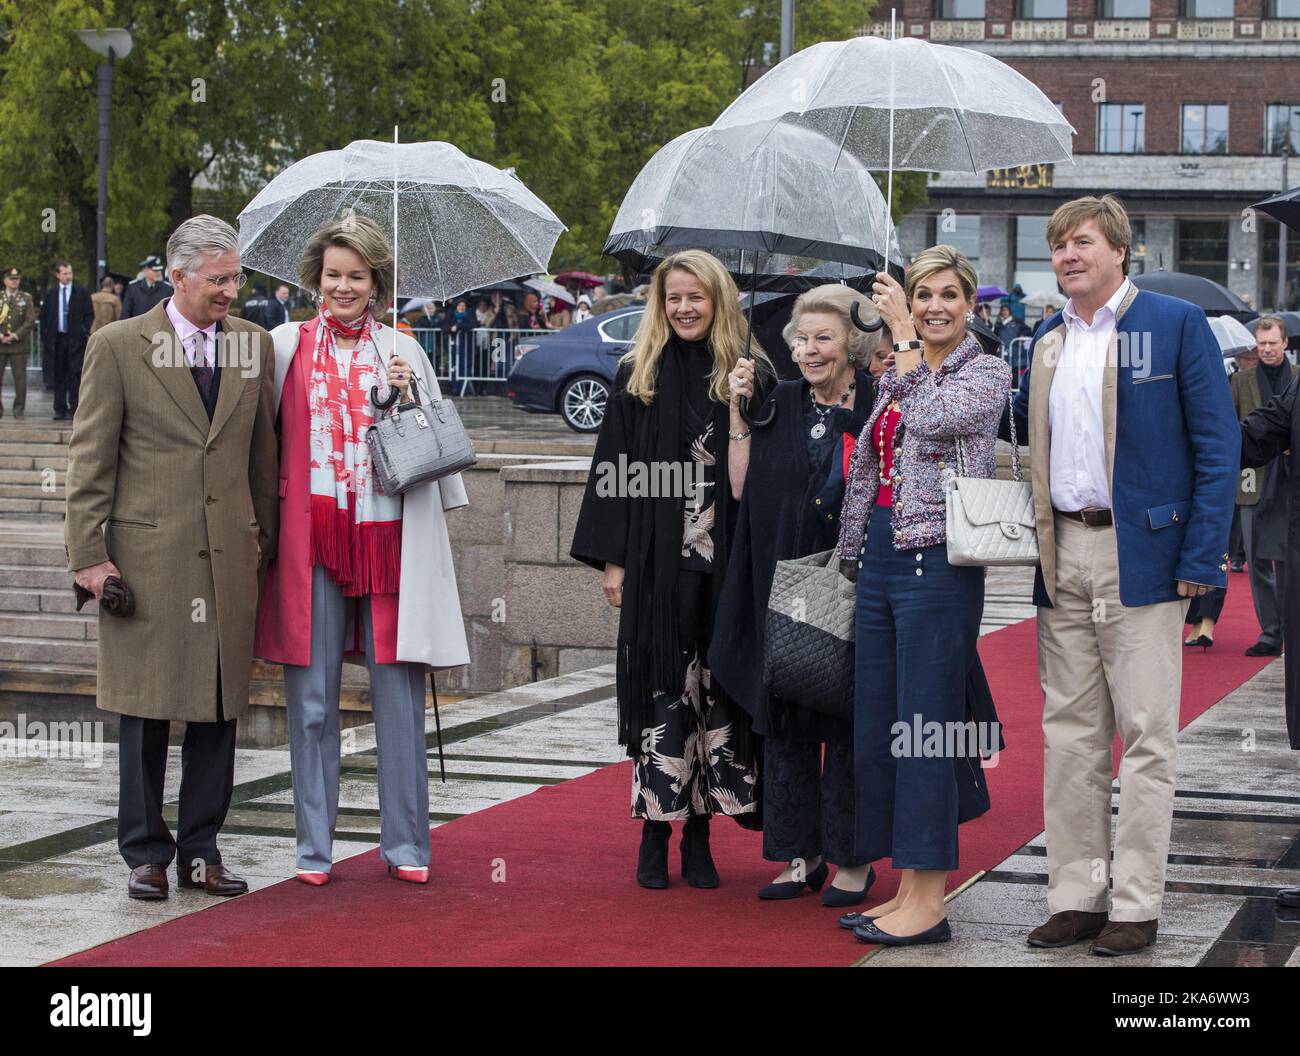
x: 17, y: 317
x: 146, y: 291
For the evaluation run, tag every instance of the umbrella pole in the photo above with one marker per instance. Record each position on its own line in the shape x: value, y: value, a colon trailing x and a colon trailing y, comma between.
x: 394, y: 240
x: 889, y: 179
x: 749, y: 333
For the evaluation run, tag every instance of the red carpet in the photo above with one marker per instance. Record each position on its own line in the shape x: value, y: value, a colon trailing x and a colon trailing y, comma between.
x: 563, y: 860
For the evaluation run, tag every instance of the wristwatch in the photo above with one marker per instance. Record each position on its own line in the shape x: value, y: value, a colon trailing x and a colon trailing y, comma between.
x: 907, y: 346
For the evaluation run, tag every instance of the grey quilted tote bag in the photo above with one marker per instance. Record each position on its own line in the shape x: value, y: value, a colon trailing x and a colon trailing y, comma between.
x: 808, y: 657
x: 418, y: 443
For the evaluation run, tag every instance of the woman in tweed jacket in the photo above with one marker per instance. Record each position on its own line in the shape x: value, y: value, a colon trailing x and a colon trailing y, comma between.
x: 917, y: 616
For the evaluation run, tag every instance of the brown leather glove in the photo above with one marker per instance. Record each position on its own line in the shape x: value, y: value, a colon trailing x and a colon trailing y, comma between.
x: 115, y: 599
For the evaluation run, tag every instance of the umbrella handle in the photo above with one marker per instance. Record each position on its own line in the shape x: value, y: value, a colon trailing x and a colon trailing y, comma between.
x: 869, y: 328
x: 744, y: 409
x: 387, y: 401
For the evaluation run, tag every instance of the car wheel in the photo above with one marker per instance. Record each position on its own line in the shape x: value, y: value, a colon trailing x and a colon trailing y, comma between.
x: 582, y: 403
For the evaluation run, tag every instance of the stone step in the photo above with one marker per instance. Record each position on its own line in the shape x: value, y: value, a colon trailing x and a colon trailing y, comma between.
x: 52, y: 433
x: 73, y: 626
x: 42, y: 555
x: 47, y: 650
x: 30, y: 491
x: 78, y: 680
x: 36, y: 476
x: 35, y: 577
x: 36, y: 600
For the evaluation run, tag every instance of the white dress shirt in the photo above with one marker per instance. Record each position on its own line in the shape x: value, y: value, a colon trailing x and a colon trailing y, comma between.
x: 1077, y: 463
x: 185, y: 330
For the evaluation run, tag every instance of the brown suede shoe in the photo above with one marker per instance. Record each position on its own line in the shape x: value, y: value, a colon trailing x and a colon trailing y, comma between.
x: 1120, y: 937
x: 1065, y: 929
x: 217, y: 880
x: 148, y: 882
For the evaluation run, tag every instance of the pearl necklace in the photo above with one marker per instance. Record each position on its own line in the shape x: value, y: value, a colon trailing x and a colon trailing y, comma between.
x: 893, y: 466
x: 819, y: 428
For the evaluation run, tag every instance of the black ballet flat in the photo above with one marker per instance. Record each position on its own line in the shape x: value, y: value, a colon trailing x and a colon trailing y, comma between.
x: 853, y: 921
x: 838, y: 898
x: 941, y: 932
x: 794, y: 888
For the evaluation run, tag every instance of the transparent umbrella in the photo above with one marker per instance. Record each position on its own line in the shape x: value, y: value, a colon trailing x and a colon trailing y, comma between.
x: 1232, y: 335
x: 771, y: 214
x: 456, y: 223
x: 904, y: 104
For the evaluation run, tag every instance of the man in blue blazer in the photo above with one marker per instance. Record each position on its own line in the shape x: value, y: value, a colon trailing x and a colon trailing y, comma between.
x: 1135, y: 447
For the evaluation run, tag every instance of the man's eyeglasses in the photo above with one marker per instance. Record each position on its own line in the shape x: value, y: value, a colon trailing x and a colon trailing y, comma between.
x: 218, y: 281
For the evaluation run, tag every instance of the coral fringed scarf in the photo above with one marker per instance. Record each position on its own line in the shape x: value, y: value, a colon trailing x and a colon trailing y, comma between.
x: 356, y: 530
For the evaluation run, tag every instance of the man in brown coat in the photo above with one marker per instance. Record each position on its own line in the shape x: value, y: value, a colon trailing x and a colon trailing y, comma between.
x: 174, y: 456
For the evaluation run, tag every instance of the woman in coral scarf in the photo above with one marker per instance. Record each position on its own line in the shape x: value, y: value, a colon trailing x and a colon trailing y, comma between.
x: 363, y: 573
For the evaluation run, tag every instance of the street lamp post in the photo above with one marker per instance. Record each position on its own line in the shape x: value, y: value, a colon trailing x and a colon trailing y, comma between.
x: 1282, y: 304
x: 110, y: 44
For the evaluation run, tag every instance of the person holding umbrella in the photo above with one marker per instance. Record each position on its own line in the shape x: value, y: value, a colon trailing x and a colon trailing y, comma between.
x: 663, y: 552
x: 917, y: 617
x: 358, y: 572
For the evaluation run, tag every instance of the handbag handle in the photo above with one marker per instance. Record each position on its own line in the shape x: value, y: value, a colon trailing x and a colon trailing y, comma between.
x: 1015, y: 446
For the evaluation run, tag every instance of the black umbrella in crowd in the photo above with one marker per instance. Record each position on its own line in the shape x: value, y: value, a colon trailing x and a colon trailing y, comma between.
x: 1211, y: 297
x: 1284, y: 207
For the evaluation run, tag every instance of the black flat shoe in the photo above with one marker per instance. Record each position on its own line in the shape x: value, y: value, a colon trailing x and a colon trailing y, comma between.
x: 839, y: 898
x: 1264, y: 649
x: 852, y: 921
x: 794, y: 888
x: 697, y: 859
x: 1289, y: 897
x: 652, y: 858
x: 941, y: 932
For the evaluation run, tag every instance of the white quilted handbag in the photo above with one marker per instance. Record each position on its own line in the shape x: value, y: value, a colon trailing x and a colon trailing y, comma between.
x: 991, y: 522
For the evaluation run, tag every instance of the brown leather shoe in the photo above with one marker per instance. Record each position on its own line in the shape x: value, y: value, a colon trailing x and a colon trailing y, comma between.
x: 148, y: 882
x: 1067, y: 928
x: 217, y: 880
x: 1120, y: 937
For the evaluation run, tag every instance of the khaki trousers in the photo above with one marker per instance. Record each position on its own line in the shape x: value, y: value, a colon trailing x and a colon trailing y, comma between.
x: 16, y: 357
x: 1103, y: 667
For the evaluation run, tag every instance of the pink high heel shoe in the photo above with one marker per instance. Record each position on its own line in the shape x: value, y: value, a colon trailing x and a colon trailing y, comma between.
x: 412, y: 874
x: 312, y: 877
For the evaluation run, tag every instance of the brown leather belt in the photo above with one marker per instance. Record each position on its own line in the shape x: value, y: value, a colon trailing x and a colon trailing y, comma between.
x: 1093, y: 518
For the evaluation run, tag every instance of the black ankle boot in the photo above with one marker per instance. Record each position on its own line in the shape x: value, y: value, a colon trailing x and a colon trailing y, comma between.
x: 652, y: 858
x: 697, y: 860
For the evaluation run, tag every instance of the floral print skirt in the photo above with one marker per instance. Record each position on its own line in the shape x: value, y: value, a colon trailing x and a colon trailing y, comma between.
x: 686, y: 765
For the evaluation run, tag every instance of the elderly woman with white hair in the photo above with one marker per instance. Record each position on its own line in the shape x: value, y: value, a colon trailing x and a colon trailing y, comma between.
x: 790, y: 483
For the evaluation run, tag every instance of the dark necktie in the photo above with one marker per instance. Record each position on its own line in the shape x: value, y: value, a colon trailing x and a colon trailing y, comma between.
x: 202, y: 372
x: 63, y: 309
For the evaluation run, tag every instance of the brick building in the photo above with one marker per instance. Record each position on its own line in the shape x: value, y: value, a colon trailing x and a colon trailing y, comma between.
x: 1182, y: 108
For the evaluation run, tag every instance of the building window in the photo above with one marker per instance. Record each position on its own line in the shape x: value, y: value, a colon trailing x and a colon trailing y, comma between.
x: 1207, y: 8
x: 1281, y: 119
x: 1033, y: 257
x: 1267, y: 265
x: 1124, y: 8
x: 1042, y: 8
x: 1283, y: 9
x: 961, y: 230
x: 1121, y: 128
x: 1205, y: 128
x: 1137, y: 248
x: 959, y: 9
x: 1203, y: 248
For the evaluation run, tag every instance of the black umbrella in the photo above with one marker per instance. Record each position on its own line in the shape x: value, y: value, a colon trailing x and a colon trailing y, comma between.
x: 1284, y: 207
x: 1211, y: 297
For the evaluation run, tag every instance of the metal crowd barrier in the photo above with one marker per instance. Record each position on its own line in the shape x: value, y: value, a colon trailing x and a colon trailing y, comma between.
x: 475, y: 362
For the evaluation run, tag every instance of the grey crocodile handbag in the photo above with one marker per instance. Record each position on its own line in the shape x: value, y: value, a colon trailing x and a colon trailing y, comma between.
x: 418, y: 443
x: 808, y: 654
x: 991, y: 522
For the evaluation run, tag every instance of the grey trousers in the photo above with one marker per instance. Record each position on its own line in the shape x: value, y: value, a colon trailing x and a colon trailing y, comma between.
x: 397, y: 701
x: 1267, y: 582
